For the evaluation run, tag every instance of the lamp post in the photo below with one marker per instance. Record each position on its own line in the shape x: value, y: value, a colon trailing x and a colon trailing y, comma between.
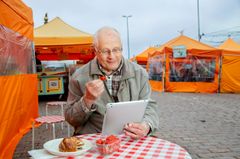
x: 127, y: 16
x: 199, y: 36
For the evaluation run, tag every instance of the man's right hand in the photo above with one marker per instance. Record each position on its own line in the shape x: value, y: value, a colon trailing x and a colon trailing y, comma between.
x: 93, y: 91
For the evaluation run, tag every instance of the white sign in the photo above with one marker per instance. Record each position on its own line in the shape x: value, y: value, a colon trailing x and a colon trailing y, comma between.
x: 54, y: 84
x: 179, y: 51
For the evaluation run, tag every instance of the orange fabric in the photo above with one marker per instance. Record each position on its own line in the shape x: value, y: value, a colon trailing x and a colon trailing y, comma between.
x: 156, y: 85
x: 66, y: 52
x: 186, y: 41
x: 57, y: 40
x: 57, y: 32
x: 230, y: 75
x: 143, y: 57
x: 16, y: 16
x: 193, y: 48
x: 230, y: 45
x: 18, y: 108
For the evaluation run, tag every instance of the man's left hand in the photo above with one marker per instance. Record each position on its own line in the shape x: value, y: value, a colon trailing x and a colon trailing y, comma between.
x: 136, y: 130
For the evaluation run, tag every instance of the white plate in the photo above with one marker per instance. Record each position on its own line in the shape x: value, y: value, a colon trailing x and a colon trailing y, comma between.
x: 52, y: 147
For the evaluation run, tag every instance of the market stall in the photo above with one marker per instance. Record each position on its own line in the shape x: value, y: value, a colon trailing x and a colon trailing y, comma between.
x: 191, y: 66
x: 19, y: 99
x: 56, y: 40
x: 230, y: 72
x: 142, y: 58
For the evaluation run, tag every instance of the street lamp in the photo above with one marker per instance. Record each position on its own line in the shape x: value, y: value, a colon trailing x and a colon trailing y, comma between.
x: 127, y: 16
x: 199, y: 36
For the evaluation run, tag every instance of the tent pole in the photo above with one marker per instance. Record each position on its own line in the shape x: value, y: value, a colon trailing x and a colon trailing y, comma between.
x: 164, y: 69
x: 220, y: 73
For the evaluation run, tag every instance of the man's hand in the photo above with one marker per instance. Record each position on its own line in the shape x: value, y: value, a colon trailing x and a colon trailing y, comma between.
x: 136, y: 130
x: 93, y: 91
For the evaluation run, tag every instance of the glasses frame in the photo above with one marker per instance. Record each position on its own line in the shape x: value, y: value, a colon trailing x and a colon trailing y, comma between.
x: 115, y: 50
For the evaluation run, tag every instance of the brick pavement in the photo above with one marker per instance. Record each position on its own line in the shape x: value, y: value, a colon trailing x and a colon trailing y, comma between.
x: 206, y: 125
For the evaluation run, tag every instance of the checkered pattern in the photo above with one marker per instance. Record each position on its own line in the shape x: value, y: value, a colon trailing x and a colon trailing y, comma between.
x: 50, y: 119
x: 147, y: 147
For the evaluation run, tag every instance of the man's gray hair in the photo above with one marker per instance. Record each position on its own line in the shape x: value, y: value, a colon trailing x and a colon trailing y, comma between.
x: 105, y: 28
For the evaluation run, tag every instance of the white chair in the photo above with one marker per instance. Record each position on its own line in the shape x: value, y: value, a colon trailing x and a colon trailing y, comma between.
x: 50, y: 119
x: 56, y: 103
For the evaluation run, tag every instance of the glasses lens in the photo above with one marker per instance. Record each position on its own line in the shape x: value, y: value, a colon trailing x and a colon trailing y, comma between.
x: 105, y: 51
x: 114, y: 50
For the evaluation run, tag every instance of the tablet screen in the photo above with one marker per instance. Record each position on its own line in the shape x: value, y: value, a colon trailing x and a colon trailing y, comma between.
x: 121, y: 113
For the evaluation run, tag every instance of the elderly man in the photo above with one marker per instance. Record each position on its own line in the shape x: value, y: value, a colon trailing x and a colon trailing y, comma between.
x: 125, y: 81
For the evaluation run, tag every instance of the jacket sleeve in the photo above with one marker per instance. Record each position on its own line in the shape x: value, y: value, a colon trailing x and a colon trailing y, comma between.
x: 74, y: 114
x: 150, y: 115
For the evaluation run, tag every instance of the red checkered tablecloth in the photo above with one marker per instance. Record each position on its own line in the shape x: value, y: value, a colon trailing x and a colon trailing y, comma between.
x: 147, y: 147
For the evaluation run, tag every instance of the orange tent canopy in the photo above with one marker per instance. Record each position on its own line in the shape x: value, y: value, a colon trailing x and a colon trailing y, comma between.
x: 143, y: 57
x: 230, y: 45
x: 57, y: 32
x: 19, y: 17
x: 193, y: 48
x: 57, y: 40
x: 230, y: 75
x: 189, y: 43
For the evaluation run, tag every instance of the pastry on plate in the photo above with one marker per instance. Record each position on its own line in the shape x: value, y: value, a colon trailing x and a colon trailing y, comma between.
x: 70, y: 144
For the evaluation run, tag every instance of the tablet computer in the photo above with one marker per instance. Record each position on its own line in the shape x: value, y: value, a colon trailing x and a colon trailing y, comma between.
x: 121, y: 113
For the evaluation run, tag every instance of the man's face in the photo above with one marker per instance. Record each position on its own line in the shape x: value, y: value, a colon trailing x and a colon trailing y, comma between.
x: 109, y: 51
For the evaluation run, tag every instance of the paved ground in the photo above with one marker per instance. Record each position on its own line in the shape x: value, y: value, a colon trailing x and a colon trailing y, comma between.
x: 206, y: 125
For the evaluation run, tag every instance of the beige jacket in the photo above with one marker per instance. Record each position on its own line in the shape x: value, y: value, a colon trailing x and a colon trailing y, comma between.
x: 134, y: 86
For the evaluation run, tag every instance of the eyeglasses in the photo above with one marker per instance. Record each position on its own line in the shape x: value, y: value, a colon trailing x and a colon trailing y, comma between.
x: 115, y: 50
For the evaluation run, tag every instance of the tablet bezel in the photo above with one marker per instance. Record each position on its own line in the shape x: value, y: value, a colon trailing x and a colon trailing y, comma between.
x: 121, y: 113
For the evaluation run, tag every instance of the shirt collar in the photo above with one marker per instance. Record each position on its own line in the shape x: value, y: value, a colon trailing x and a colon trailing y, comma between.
x: 117, y: 71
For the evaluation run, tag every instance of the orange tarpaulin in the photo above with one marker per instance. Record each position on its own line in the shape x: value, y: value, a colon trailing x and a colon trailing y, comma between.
x: 19, y: 106
x: 19, y: 17
x: 19, y: 99
x: 230, y: 75
x: 197, y: 72
x: 57, y: 40
x: 142, y: 58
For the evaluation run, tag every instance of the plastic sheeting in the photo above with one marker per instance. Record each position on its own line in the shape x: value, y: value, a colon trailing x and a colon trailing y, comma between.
x: 192, y: 69
x: 15, y: 53
x: 198, y: 72
x: 156, y: 72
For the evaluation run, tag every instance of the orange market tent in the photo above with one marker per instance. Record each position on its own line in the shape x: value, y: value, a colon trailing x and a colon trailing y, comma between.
x: 191, y: 66
x: 57, y: 40
x: 19, y: 99
x: 142, y: 58
x: 230, y: 72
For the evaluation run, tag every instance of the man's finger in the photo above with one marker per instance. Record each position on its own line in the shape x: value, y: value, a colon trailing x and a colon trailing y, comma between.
x: 130, y: 134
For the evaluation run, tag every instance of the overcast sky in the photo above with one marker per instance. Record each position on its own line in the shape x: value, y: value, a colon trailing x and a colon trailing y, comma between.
x: 153, y: 22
